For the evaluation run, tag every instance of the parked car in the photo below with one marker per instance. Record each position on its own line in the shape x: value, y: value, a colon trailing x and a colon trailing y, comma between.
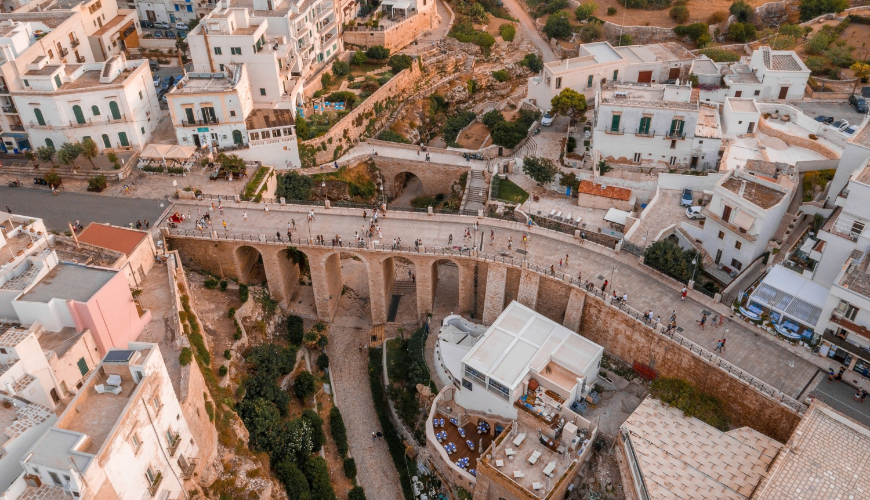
x: 161, y: 25
x: 170, y: 34
x: 695, y: 213
x: 825, y: 119
x: 840, y: 125
x: 146, y: 23
x: 851, y: 130
x: 686, y: 198
x: 181, y: 26
x: 156, y: 81
x: 158, y: 34
x: 547, y: 120
x: 858, y: 102
x: 154, y: 65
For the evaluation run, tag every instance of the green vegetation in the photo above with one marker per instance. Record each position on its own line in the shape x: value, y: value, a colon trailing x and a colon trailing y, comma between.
x: 533, y: 62
x: 98, y: 183
x: 295, y: 330
x: 243, y: 292
x: 399, y: 62
x: 304, y: 385
x: 667, y: 257
x: 541, y: 170
x: 349, y: 466
x: 680, y: 13
x: 697, y: 32
x: 816, y: 179
x: 508, y: 191
x: 464, y: 32
x: 359, y: 58
x: 454, y: 124
x: 810, y: 9
x: 491, y: 118
x: 501, y: 75
x: 392, y: 136
x: 356, y: 493
x: 195, y: 336
x: 741, y: 32
x: 222, y: 371
x: 359, y: 181
x: 611, y: 11
x: 340, y: 68
x: 558, y: 26
x: 742, y: 11
x: 509, y: 134
x: 569, y: 102
x: 645, y: 4
x: 721, y: 55
x: 507, y: 32
x: 585, y: 10
x: 378, y: 52
x: 293, y: 186
x: 592, y: 31
x: 691, y: 401
x: 338, y: 431
x: 185, y: 357
x: 250, y: 188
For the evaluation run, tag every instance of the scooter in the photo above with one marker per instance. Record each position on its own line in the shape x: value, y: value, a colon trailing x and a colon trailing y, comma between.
x: 14, y: 184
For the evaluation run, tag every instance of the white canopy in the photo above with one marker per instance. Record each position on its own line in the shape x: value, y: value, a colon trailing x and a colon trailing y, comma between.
x: 158, y: 151
x: 616, y: 216
x: 181, y: 152
x: 402, y: 5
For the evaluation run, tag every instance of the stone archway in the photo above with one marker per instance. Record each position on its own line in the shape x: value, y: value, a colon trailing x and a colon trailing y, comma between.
x: 293, y: 268
x: 249, y: 265
x: 400, y: 289
x: 406, y: 187
x: 445, y: 287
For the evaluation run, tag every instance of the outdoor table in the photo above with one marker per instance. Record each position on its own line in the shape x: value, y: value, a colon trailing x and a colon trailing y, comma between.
x: 470, y: 444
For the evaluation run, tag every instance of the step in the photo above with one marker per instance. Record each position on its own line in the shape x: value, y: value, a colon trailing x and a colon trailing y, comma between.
x: 404, y: 287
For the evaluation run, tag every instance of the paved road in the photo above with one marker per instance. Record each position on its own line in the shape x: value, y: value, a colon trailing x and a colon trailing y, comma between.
x: 58, y: 210
x: 837, y: 110
x: 528, y: 24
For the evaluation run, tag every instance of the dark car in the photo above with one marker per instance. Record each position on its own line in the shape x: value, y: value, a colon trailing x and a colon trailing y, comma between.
x: 825, y: 119
x: 146, y: 24
x: 858, y: 102
x: 686, y: 198
x: 168, y: 81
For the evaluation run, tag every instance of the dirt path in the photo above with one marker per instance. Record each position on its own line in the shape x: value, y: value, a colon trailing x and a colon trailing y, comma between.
x: 528, y: 24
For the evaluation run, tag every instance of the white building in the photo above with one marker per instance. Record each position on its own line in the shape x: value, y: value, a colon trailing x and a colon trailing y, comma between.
x: 768, y: 75
x: 22, y: 423
x: 520, y: 346
x: 123, y: 436
x: 168, y: 12
x: 600, y: 62
x: 25, y: 239
x: 666, y: 124
x: 740, y: 116
x: 745, y: 211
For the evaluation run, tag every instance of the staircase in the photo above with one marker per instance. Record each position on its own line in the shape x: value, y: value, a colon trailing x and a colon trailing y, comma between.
x: 404, y: 287
x: 530, y: 148
x: 705, y: 257
x: 377, y: 335
x: 784, y: 231
x: 476, y: 187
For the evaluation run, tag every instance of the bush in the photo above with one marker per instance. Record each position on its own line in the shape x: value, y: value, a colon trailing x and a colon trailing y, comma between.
x: 464, y: 32
x: 228, y: 354
x: 243, y: 292
x: 507, y: 32
x: 295, y: 330
x: 572, y: 144
x: 338, y: 431
x: 304, y: 385
x: 625, y: 40
x: 718, y: 17
x: 695, y: 31
x: 378, y: 52
x: 231, y: 312
x: 491, y: 118
x: 741, y: 32
x: 318, y: 438
x: 509, y: 134
x: 810, y: 9
x: 680, y: 14
x: 541, y: 170
x: 592, y: 31
x: 456, y: 123
x: 222, y: 371
x: 348, y: 98
x: 185, y: 357
x: 391, y: 436
x: 293, y: 186
x: 359, y: 58
x: 356, y: 493
x: 211, y: 283
x: 501, y: 75
x: 317, y: 472
x: 533, y: 62
x: 667, y: 257
x: 293, y: 479
x: 53, y: 178
x: 340, y: 68
x: 350, y: 468
x: 611, y: 11
x: 646, y: 4
x: 691, y: 401
x: 721, y: 55
x: 585, y: 10
x: 392, y: 136
x: 742, y: 11
x: 399, y: 62
x: 325, y: 80
x: 323, y: 361
x: 98, y: 183
x: 557, y: 26
x: 223, y: 285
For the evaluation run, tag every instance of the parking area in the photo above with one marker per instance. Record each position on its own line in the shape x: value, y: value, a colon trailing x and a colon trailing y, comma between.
x: 840, y: 111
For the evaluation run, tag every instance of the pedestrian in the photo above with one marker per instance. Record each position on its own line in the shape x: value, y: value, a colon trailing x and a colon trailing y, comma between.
x: 684, y: 293
x: 703, y: 320
x: 830, y: 375
x: 450, y: 239
x: 580, y: 276
x: 723, y: 342
x: 212, y: 207
x: 293, y: 223
x: 625, y: 298
x: 604, y: 287
x: 839, y: 376
x: 8, y: 210
x: 560, y: 263
x: 278, y: 234
x: 289, y: 236
x: 374, y: 434
x: 553, y: 269
x: 715, y: 322
x: 721, y: 319
x: 380, y: 435
x: 718, y: 346
x: 225, y: 225
x: 265, y: 207
x: 148, y: 224
x: 857, y: 396
x: 409, y: 274
x: 413, y: 278
x: 658, y: 322
x: 674, y: 316
x: 365, y: 215
x: 245, y: 215
x: 491, y: 236
x: 863, y: 395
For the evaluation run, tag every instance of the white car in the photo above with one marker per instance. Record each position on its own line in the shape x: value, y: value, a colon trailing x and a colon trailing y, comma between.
x: 162, y: 25
x: 851, y: 130
x: 695, y: 213
x: 547, y: 120
x: 840, y: 125
x: 181, y: 26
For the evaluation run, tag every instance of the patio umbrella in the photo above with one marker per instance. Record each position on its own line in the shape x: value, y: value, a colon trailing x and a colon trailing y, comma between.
x: 156, y: 151
x: 180, y: 152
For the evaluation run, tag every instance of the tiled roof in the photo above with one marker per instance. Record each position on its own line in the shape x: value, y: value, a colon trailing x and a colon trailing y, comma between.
x: 13, y: 336
x: 613, y: 192
x: 856, y: 278
x: 683, y: 458
x: 784, y: 62
x: 116, y: 238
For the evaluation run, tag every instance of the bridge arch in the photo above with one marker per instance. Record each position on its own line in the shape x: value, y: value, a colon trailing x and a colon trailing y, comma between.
x: 445, y: 286
x: 250, y: 267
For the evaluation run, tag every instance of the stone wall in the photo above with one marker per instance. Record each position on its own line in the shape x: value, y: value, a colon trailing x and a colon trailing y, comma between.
x: 364, y: 119
x: 640, y: 35
x: 396, y: 36
x: 630, y: 341
x: 436, y: 177
x: 553, y: 299
x: 801, y: 142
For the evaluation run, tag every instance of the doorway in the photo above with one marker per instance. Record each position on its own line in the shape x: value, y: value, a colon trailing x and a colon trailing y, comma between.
x: 783, y: 92
x: 674, y: 73
x: 196, y: 141
x: 751, y: 128
x: 718, y: 256
x: 644, y: 77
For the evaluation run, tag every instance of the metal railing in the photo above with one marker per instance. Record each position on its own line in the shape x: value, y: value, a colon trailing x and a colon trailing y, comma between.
x: 196, y: 123
x: 614, y: 131
x: 207, y: 196
x: 675, y: 135
x: 74, y: 43
x: 645, y: 133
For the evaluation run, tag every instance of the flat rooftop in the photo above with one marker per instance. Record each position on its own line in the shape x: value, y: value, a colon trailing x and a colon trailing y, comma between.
x: 824, y: 459
x: 612, y: 192
x: 704, y: 67
x: 754, y: 192
x: 13, y: 336
x: 521, y: 338
x: 602, y: 51
x: 644, y: 97
x: 862, y: 137
x: 120, y: 239
x: 742, y: 105
x: 683, y: 458
x: 708, y: 123
x: 59, y: 342
x: 19, y: 418
x: 260, y: 118
x: 69, y: 282
x: 855, y: 278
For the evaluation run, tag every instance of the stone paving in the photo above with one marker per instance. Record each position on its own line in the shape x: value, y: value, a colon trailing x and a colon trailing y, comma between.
x: 766, y: 358
x: 666, y: 212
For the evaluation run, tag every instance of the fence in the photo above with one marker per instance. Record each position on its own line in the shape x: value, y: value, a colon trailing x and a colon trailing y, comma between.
x: 632, y: 248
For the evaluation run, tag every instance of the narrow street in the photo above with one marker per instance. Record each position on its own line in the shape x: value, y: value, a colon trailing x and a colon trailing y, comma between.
x: 528, y: 24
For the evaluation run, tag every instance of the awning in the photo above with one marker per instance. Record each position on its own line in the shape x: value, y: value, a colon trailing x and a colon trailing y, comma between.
x: 180, y: 152
x: 402, y: 5
x: 616, y: 216
x: 14, y: 135
x: 157, y: 151
x: 791, y: 294
x: 744, y: 220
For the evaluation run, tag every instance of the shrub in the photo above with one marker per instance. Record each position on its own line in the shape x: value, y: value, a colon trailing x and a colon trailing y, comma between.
x: 810, y: 9
x: 350, y: 468
x: 509, y: 134
x: 557, y: 26
x: 399, y: 62
x: 720, y: 16
x: 323, y: 361
x: 491, y: 118
x: 585, y: 10
x: 742, y: 11
x: 625, y: 40
x: 456, y: 123
x: 533, y: 62
x: 53, y: 178
x: 113, y: 159
x: 231, y: 312
x: 228, y: 354
x: 325, y: 80
x: 541, y: 170
x: 507, y: 32
x: 501, y: 75
x: 378, y: 52
x: 680, y: 14
x: 223, y: 285
x: 211, y: 283
x: 338, y: 431
x: 293, y: 479
x: 592, y: 31
x: 295, y: 330
x: 741, y: 32
x: 304, y: 385
x: 611, y: 11
x: 359, y: 58
x: 356, y: 493
x: 693, y: 402
x: 669, y: 258
x: 293, y: 186
x: 222, y: 371
x: 317, y: 472
x: 243, y: 292
x: 98, y: 183
x: 185, y: 357
x: 464, y: 32
x: 392, y: 136
x: 340, y: 68
x: 697, y: 32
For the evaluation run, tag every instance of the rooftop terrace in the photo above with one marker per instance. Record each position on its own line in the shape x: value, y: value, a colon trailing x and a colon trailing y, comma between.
x: 69, y: 282
x: 754, y: 192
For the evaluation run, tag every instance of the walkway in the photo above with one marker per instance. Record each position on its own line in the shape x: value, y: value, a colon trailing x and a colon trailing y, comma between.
x: 763, y: 357
x: 425, y: 42
x: 528, y: 24
x: 405, y: 153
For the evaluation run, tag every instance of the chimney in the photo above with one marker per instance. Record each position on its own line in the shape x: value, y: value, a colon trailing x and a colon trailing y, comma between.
x: 742, y: 188
x: 9, y: 389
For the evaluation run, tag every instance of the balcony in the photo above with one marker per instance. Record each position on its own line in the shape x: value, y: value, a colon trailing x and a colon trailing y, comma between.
x: 4, y: 89
x: 64, y: 52
x: 648, y: 133
x: 739, y: 231
x: 845, y: 344
x: 10, y: 109
x: 675, y: 136
x: 173, y: 444
x: 187, y: 472
x: 89, y: 121
x: 199, y: 123
x: 74, y: 43
x: 16, y: 127
x: 155, y: 484
x: 615, y: 131
x: 852, y: 327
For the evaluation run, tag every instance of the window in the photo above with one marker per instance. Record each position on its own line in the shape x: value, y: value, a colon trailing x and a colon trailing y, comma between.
x: 35, y: 470
x: 142, y: 129
x: 589, y: 82
x: 113, y: 108
x: 140, y: 95
x: 50, y: 54
x: 171, y: 437
x: 106, y: 142
x: 677, y: 127
x: 644, y: 125
x: 39, y: 118
x: 217, y: 51
x: 150, y: 475
x: 189, y: 113
x: 122, y: 137
x: 3, y: 350
x: 177, y: 8
x: 57, y: 81
x: 80, y: 116
x: 721, y: 235
x: 135, y: 443
x: 232, y: 113
x: 95, y: 110
x: 83, y: 366
x: 673, y: 161
x: 614, y: 123
x: 155, y: 402
x: 262, y: 91
x: 236, y: 51
x: 726, y: 213
x: 49, y: 143
x: 615, y: 74
x: 737, y: 245
x: 736, y: 264
x: 637, y: 157
x: 471, y: 372
x: 190, y: 8
x: 499, y: 389
x: 738, y: 93
x: 558, y: 82
x: 26, y: 83
x: 221, y: 66
x: 757, y: 92
x: 851, y: 312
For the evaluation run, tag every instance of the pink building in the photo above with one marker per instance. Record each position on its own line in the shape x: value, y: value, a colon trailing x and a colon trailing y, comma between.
x: 83, y: 297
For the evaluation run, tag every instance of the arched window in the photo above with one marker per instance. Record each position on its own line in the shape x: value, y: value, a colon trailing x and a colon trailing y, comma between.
x: 80, y: 116
x: 39, y: 119
x: 95, y: 110
x: 237, y: 137
x: 122, y: 136
x: 113, y: 107
x: 106, y: 141
x: 49, y: 143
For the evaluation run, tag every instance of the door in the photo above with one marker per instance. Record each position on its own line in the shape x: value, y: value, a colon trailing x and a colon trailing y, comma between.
x: 54, y: 396
x: 644, y: 77
x: 116, y: 113
x: 237, y: 137
x: 122, y: 137
x: 751, y: 128
x: 694, y: 163
x: 738, y: 93
x: 55, y: 478
x: 106, y: 142
x: 196, y: 140
x: 83, y: 366
x: 783, y: 91
x: 718, y: 256
x: 80, y: 117
x: 726, y: 214
x: 674, y: 73
x: 150, y: 15
x: 189, y: 113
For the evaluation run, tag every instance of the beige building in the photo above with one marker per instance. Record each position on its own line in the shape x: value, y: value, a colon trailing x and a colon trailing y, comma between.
x: 136, y: 248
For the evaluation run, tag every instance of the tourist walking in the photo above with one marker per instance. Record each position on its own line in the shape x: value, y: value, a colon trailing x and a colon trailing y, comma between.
x: 604, y: 287
x: 683, y: 294
x: 450, y: 239
x: 703, y: 320
x: 718, y: 347
x: 245, y: 215
x: 225, y: 225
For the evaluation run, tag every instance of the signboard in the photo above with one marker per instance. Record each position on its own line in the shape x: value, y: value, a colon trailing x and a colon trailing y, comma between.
x: 202, y: 129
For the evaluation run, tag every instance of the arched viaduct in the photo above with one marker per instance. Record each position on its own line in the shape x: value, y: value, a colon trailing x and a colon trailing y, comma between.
x: 435, y: 177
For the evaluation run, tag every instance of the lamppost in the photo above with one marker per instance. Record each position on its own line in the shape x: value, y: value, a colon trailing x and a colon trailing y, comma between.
x: 694, y: 263
x: 613, y: 275
x: 326, y: 196
x: 383, y: 200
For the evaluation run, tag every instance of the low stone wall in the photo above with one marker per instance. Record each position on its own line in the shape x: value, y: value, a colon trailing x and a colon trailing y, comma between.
x: 639, y: 34
x: 395, y: 37
x: 801, y: 142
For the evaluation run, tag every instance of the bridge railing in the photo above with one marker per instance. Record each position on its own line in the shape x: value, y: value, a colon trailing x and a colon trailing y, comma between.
x: 587, y: 286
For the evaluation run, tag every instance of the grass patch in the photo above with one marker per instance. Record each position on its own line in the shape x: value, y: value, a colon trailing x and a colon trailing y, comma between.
x: 509, y: 191
x: 721, y: 55
x: 358, y: 179
x: 691, y: 401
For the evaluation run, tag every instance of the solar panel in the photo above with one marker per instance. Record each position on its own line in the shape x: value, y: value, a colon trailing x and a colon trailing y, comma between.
x: 118, y: 356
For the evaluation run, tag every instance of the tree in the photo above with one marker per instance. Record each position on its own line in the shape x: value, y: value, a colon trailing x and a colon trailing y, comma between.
x: 295, y: 329
x: 840, y: 57
x: 742, y: 11
x: 501, y: 75
x: 533, y: 62
x: 592, y: 31
x: 816, y: 64
x: 340, y: 68
x: 261, y: 418
x: 509, y: 134
x: 348, y: 98
x: 69, y: 152
x: 507, y: 32
x: 359, y: 58
x: 399, y: 62
x: 810, y: 9
x: 304, y: 385
x: 669, y: 258
x: 293, y: 479
x: 356, y: 493
x: 585, y: 10
x: 46, y: 153
x: 325, y: 80
x: 541, y: 170
x: 569, y: 102
x: 680, y: 14
x: 625, y: 40
x: 378, y: 52
x: 294, y: 186
x: 231, y: 163
x: 349, y: 468
x: 292, y: 440
x: 861, y: 72
x: 338, y: 431
x: 318, y: 478
x: 741, y: 32
x: 491, y: 118
x: 318, y: 438
x: 323, y: 361
x: 98, y: 183
x: 89, y: 151
x: 694, y: 31
x: 558, y: 26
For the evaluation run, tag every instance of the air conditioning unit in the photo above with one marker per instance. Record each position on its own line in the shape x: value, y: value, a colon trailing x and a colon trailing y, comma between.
x: 33, y: 480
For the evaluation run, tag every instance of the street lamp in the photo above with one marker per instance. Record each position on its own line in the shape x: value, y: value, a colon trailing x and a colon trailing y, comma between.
x: 694, y: 263
x: 612, y: 275
x: 323, y: 186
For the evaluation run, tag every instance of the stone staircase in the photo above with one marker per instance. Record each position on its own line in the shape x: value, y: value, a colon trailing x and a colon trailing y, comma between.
x: 404, y: 287
x: 476, y: 188
x: 530, y: 148
x: 377, y: 335
x: 786, y: 226
x: 705, y: 257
